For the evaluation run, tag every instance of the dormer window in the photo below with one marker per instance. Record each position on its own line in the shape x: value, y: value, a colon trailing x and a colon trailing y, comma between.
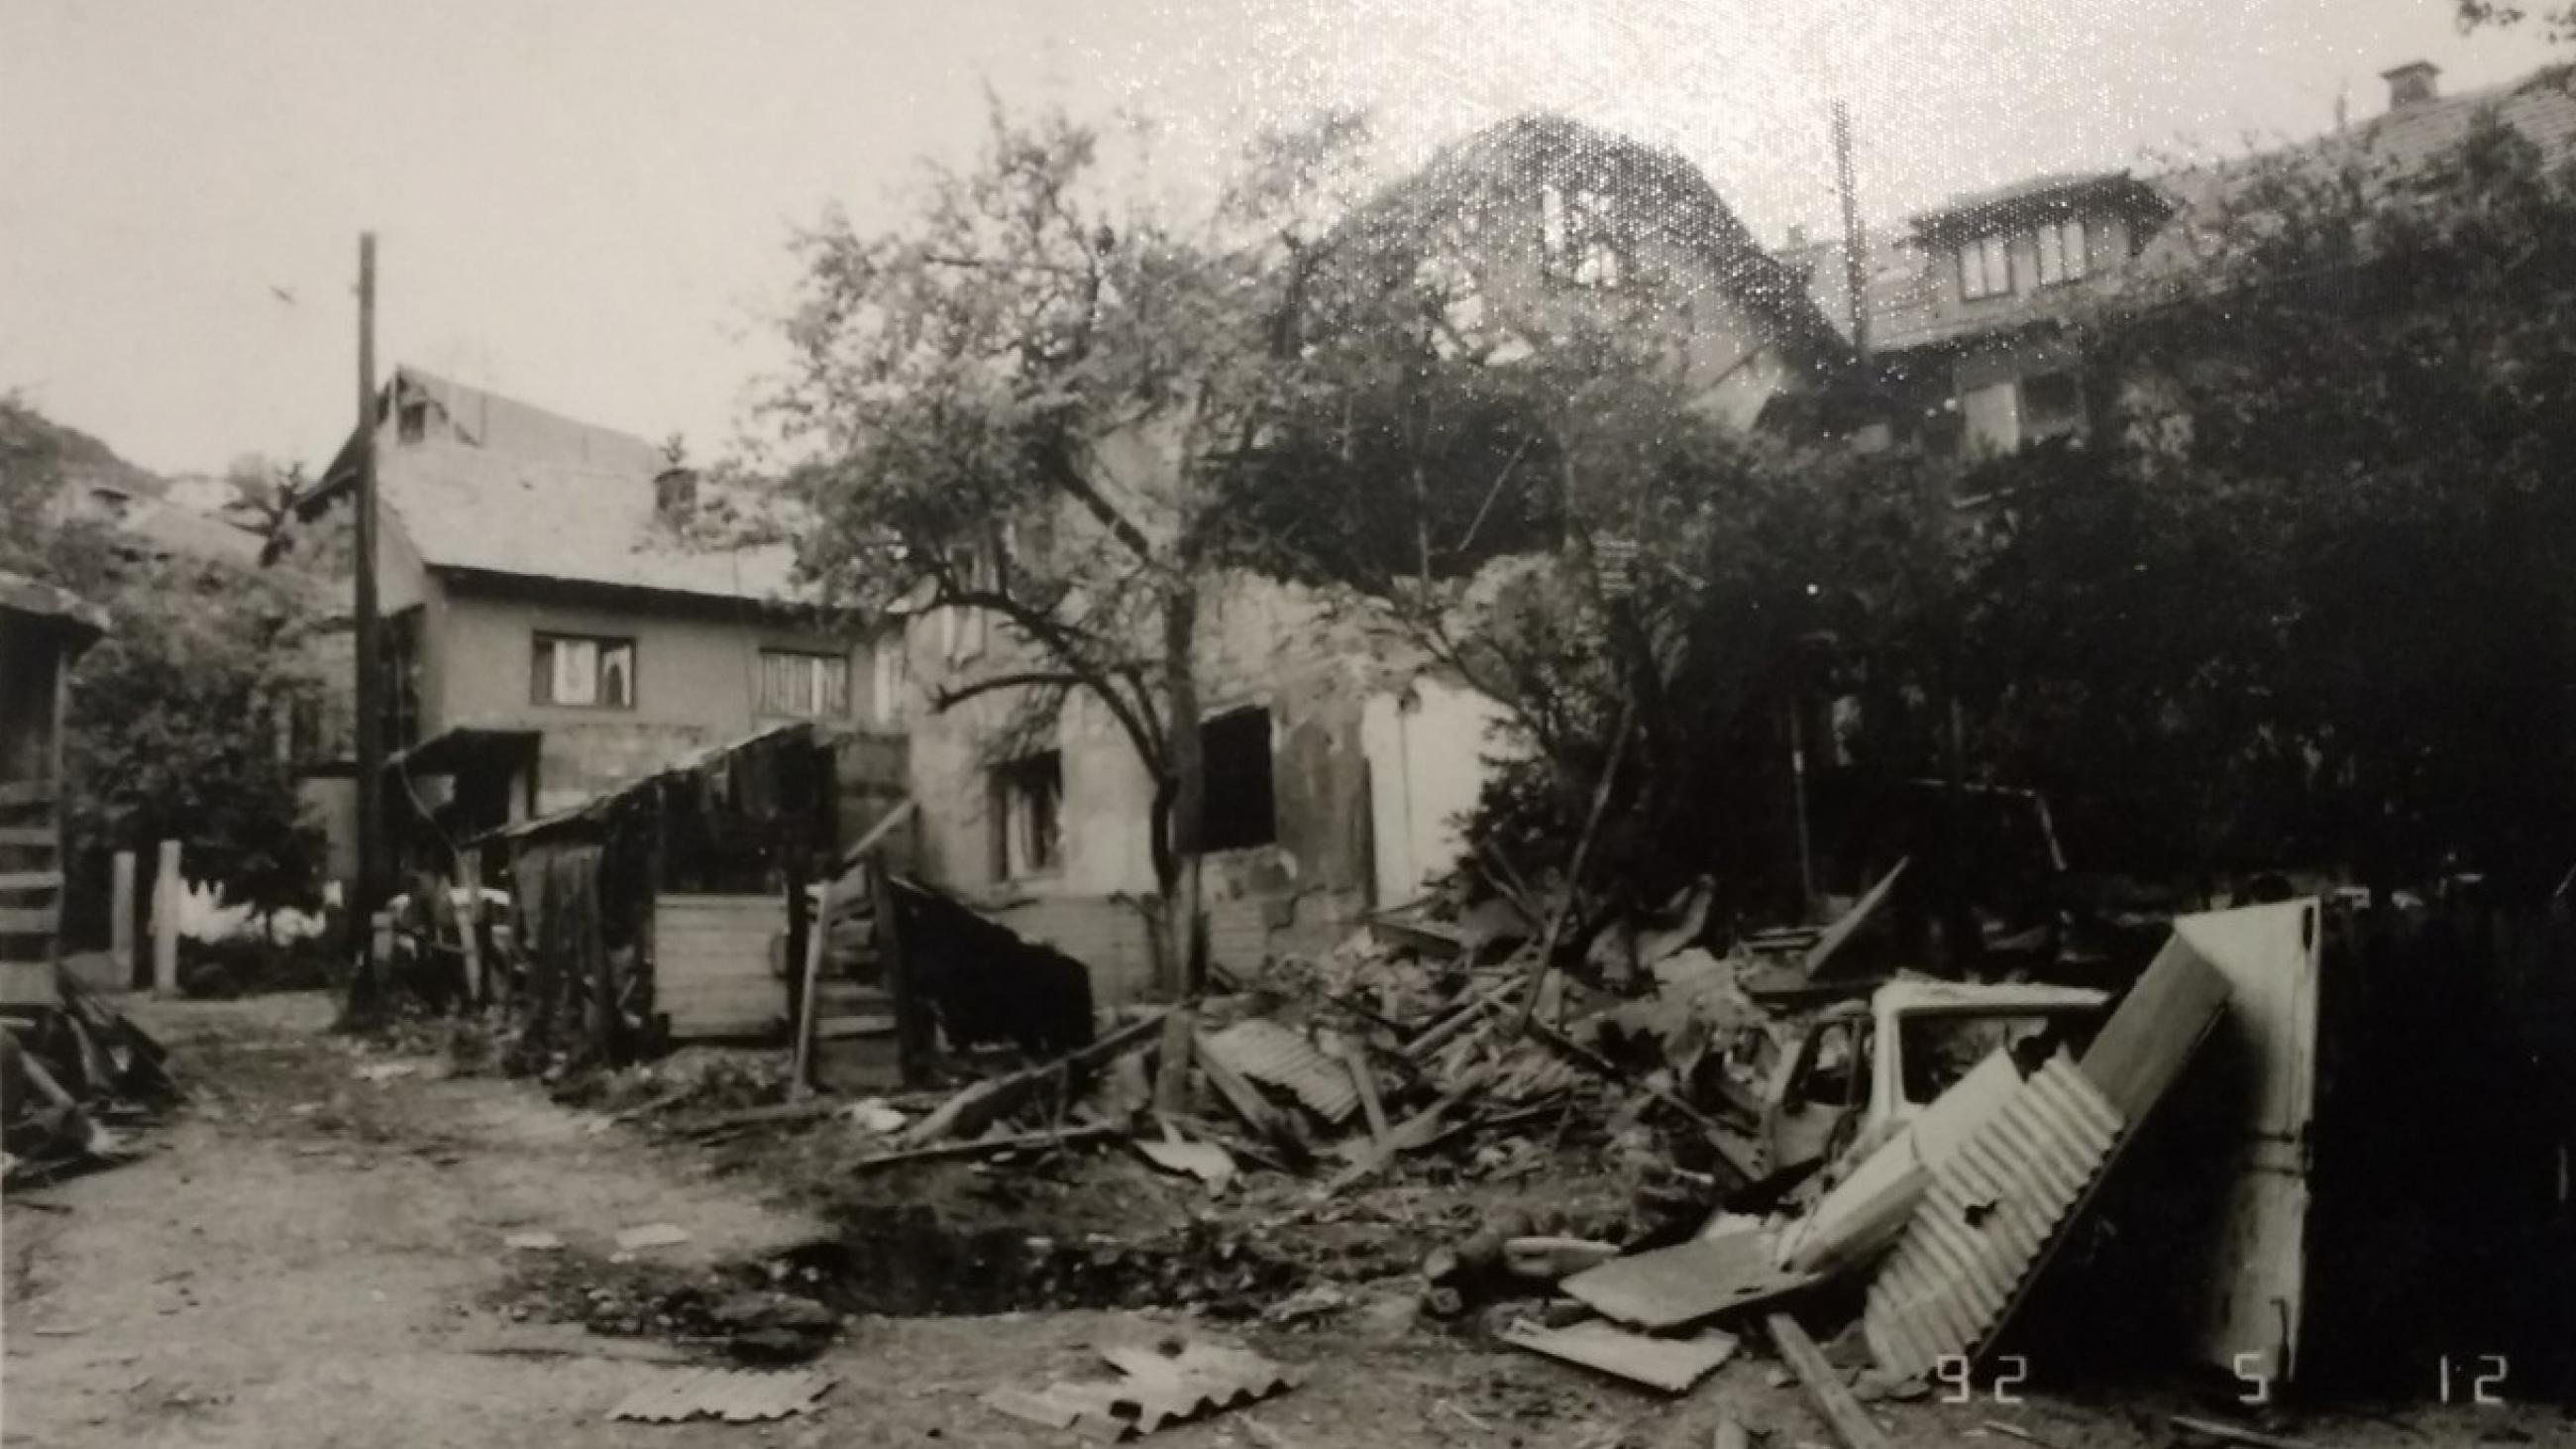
x: 2062, y: 253
x: 1985, y: 268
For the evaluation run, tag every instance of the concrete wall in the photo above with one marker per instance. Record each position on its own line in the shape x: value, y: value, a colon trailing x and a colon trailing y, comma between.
x: 1263, y: 645
x: 1428, y: 747
x: 696, y: 679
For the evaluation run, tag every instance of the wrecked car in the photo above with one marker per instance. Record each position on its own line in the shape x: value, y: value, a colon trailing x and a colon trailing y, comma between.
x: 1862, y: 1070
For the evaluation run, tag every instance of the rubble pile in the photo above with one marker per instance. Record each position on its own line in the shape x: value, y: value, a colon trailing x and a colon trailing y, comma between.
x: 72, y: 1072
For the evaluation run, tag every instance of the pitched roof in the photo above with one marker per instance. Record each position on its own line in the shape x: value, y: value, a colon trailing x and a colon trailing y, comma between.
x: 1903, y: 280
x: 496, y: 486
x: 1679, y: 201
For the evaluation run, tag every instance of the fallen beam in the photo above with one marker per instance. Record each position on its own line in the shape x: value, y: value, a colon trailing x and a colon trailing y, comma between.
x: 950, y: 1151
x: 978, y: 1106
x: 1825, y: 1388
x: 2234, y: 1434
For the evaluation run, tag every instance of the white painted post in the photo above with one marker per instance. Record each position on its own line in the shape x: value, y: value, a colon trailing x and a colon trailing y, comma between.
x: 120, y: 923
x: 166, y: 893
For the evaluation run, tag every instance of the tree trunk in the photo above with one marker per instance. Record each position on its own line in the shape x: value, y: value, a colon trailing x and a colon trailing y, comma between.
x: 1181, y: 946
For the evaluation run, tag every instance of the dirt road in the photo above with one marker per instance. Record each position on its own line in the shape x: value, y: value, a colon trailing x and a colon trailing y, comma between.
x: 313, y: 1254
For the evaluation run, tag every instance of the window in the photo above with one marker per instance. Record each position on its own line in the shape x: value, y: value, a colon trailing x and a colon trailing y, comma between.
x: 591, y: 673
x: 805, y: 685
x: 1239, y: 809
x: 1576, y: 240
x: 1028, y: 814
x: 2062, y: 254
x: 1985, y: 268
x: 411, y: 424
x: 2051, y: 403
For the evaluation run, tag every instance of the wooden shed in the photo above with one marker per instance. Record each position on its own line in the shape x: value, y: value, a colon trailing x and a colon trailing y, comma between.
x: 42, y: 630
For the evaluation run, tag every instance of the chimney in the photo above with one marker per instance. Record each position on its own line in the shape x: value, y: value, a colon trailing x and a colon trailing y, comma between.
x: 675, y: 495
x: 2412, y: 84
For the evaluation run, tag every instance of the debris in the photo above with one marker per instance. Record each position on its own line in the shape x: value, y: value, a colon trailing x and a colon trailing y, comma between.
x: 651, y: 1235
x: 1850, y: 922
x: 1729, y: 1434
x: 1205, y: 1161
x: 534, y: 1242
x: 1091, y: 1132
x: 1866, y: 1211
x: 737, y: 1396
x: 978, y: 1106
x: 382, y: 1072
x: 1550, y: 1260
x: 1688, y: 1282
x: 875, y: 1116
x: 1669, y: 1364
x: 2015, y: 1431
x: 2233, y: 1434
x: 1825, y: 1387
x: 61, y: 1330
x: 1992, y: 1210
x: 1156, y: 1387
x: 1314, y: 1302
x: 1265, y: 1051
x: 1364, y: 1078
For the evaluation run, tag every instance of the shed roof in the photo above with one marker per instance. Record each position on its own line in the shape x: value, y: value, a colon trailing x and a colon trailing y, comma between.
x: 51, y: 604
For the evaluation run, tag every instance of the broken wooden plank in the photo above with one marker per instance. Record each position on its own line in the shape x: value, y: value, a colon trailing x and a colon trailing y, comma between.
x: 1574, y: 871
x: 1720, y: 1141
x: 30, y: 881
x: 2235, y: 1434
x: 947, y: 1151
x: 1851, y: 921
x: 29, y: 920
x: 1669, y: 1364
x: 1832, y: 1397
x: 978, y: 1106
x: 1244, y: 1098
x: 1355, y: 1055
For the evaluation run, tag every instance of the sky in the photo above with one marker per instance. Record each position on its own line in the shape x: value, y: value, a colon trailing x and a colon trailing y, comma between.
x: 587, y: 203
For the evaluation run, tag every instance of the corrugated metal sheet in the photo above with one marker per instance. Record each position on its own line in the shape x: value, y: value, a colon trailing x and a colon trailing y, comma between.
x: 1268, y: 1052
x: 1154, y: 1389
x: 1993, y: 1207
x: 737, y: 1396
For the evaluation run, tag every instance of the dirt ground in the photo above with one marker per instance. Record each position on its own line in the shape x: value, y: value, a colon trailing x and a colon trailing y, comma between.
x: 313, y: 1254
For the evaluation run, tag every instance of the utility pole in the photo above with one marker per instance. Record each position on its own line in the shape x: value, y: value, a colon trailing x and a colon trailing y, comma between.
x: 371, y: 737
x: 1855, y: 237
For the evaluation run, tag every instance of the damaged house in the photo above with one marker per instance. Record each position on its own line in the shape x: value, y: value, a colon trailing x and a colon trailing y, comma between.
x: 556, y: 624
x: 1336, y: 767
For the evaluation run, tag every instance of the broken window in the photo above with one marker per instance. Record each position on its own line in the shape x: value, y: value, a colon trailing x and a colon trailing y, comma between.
x: 1028, y: 809
x: 2062, y: 254
x: 593, y: 673
x: 2051, y: 403
x: 804, y: 685
x: 1985, y: 268
x: 412, y: 422
x: 1939, y: 1048
x: 1577, y: 242
x: 1240, y: 810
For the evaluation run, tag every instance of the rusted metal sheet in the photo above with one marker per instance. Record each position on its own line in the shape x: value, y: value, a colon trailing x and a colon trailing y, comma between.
x: 1268, y: 1052
x: 1154, y: 1389
x: 1685, y: 1283
x: 1669, y: 1364
x: 737, y: 1396
x: 1993, y: 1207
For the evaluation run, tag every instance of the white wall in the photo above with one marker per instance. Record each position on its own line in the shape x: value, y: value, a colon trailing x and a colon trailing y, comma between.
x: 1427, y: 746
